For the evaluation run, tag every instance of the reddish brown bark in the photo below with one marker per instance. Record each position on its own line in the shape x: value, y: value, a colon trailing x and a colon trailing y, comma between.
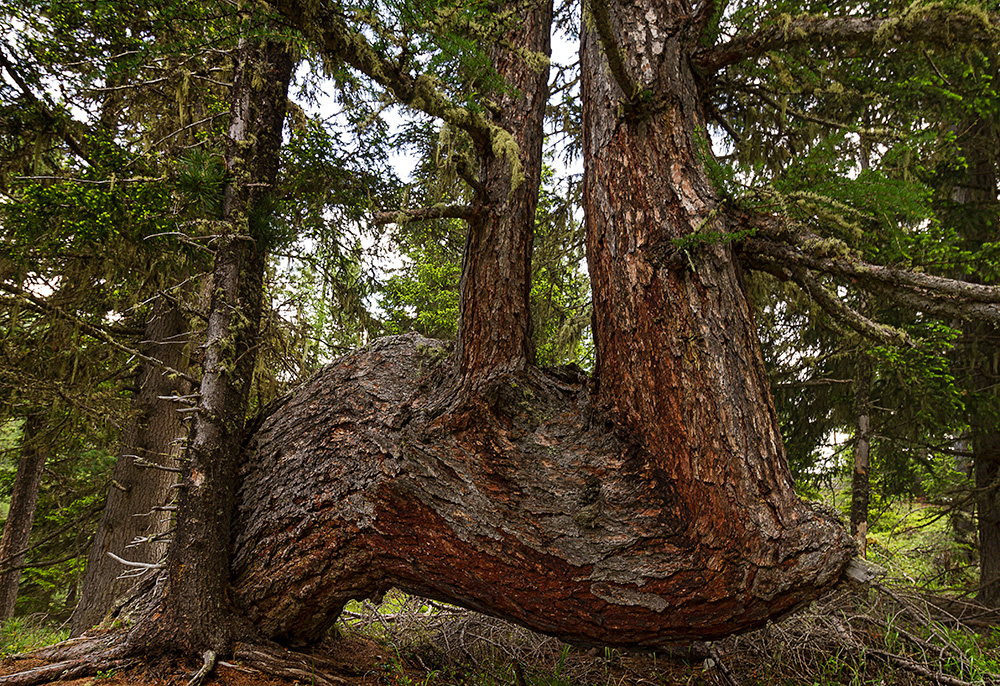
x: 658, y: 508
x: 516, y: 504
x: 153, y: 436
x: 679, y: 367
x: 495, y: 323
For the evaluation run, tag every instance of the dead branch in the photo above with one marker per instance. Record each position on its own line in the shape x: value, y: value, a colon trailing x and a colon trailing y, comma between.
x: 926, y: 24
x: 92, y: 330
x: 422, y: 214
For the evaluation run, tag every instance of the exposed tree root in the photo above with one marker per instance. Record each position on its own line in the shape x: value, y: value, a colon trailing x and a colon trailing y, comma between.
x: 87, y: 656
x: 279, y: 662
x: 72, y: 659
x: 207, y: 666
x: 60, y: 671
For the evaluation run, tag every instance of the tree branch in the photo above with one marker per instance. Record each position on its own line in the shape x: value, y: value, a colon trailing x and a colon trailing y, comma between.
x: 931, y: 24
x: 44, y: 109
x: 422, y: 214
x: 787, y: 262
x: 92, y: 330
x: 932, y: 294
x: 322, y: 23
x: 834, y: 306
x: 891, y: 276
x: 702, y: 16
x: 601, y: 20
x: 90, y: 512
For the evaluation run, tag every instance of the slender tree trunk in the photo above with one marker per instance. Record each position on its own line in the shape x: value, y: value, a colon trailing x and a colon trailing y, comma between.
x: 861, y: 483
x: 495, y: 322
x: 21, y: 515
x: 978, y: 221
x: 979, y: 344
x: 986, y: 451
x: 153, y: 436
x: 195, y: 611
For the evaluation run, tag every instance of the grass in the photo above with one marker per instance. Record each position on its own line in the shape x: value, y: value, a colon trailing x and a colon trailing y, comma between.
x: 25, y: 634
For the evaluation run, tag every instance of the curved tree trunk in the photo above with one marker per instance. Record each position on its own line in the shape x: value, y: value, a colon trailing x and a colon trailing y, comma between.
x: 650, y: 506
x: 21, y: 515
x: 516, y: 504
x: 678, y: 363
x: 152, y: 436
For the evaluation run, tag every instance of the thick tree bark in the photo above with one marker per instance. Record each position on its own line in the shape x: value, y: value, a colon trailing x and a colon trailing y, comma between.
x: 861, y: 482
x: 194, y: 611
x: 495, y: 323
x: 678, y: 364
x: 20, y: 517
x: 153, y: 437
x: 656, y: 508
x: 651, y: 506
x: 517, y: 504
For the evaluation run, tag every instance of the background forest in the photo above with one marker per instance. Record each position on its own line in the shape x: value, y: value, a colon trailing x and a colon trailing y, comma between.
x: 113, y: 167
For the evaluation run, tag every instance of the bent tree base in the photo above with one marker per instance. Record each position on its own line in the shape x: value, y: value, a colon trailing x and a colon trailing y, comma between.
x: 520, y: 502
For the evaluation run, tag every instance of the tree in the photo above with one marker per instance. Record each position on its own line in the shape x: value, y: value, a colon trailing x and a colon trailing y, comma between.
x: 194, y: 613
x: 135, y: 514
x: 91, y: 210
x: 23, y: 499
x: 628, y: 371
x: 649, y: 504
x: 977, y: 216
x: 903, y: 129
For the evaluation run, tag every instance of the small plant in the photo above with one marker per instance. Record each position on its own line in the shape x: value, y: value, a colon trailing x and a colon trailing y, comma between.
x: 562, y: 660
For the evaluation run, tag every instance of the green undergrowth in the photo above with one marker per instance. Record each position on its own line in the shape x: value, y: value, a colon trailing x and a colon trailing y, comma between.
x: 25, y: 634
x: 920, y: 543
x: 926, y: 546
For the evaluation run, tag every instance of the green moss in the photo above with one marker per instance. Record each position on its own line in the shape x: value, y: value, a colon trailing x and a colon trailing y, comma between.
x: 504, y: 146
x: 433, y: 351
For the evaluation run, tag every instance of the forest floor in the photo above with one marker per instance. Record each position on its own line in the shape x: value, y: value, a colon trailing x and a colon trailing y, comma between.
x: 889, y: 636
x: 376, y: 663
x: 918, y: 626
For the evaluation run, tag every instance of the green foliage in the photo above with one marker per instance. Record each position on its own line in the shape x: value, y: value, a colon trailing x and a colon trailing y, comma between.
x: 867, y: 151
x: 25, y: 634
x: 914, y: 542
x: 201, y: 177
x: 560, y: 288
x: 423, y: 295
